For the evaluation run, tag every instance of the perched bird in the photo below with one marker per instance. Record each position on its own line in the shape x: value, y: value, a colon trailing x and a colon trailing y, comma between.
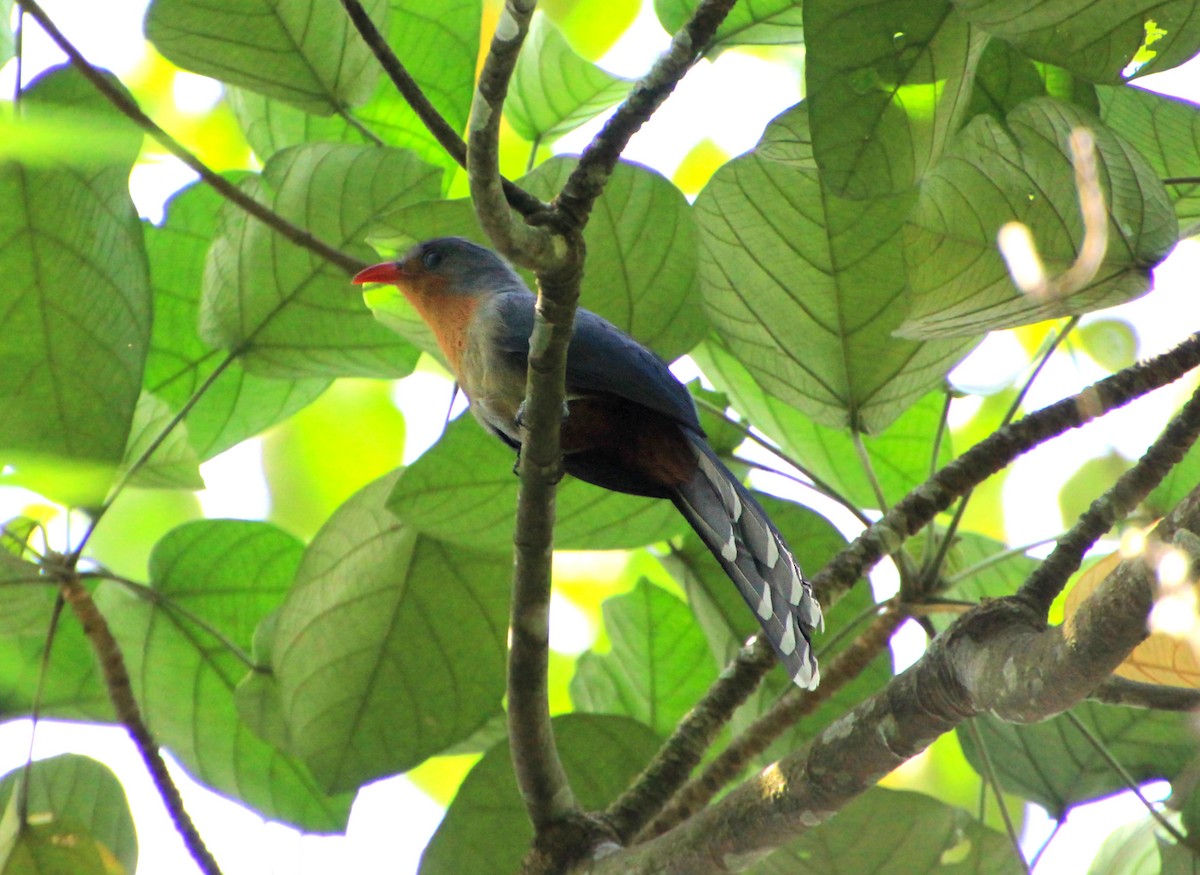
x: 630, y: 425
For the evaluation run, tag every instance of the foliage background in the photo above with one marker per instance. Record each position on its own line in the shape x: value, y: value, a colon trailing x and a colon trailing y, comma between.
x: 315, y: 461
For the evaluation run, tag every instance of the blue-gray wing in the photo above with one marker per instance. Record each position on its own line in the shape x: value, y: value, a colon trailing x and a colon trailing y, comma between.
x: 602, y: 359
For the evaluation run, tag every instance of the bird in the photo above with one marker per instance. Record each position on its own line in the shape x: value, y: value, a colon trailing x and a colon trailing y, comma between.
x: 629, y: 424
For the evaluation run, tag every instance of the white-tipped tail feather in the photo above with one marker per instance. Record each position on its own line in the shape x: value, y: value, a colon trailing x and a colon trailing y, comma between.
x: 753, y: 553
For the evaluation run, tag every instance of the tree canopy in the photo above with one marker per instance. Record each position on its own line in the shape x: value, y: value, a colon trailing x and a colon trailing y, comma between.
x: 956, y: 169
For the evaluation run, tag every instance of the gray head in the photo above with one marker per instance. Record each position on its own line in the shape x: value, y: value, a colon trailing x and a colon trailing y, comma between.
x: 466, y: 268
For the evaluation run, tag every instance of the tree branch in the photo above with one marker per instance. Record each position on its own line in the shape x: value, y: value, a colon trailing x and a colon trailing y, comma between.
x: 675, y: 760
x: 532, y: 247
x: 792, y: 707
x: 596, y: 163
x: 519, y: 199
x: 991, y: 455
x: 1120, y: 691
x: 999, y: 657
x: 126, y: 105
x: 120, y: 693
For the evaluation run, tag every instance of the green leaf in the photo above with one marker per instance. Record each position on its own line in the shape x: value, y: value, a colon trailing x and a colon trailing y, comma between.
x: 286, y: 312
x: 463, y: 491
x: 1110, y: 343
x: 1005, y: 78
x: 56, y: 848
x: 81, y: 791
x: 215, y: 576
x: 390, y: 646
x: 1102, y: 42
x: 1164, y: 130
x: 751, y: 22
x: 173, y: 464
x: 1022, y: 172
x: 439, y: 52
x: 76, y: 305
x: 486, y: 830
x: 553, y: 90
x: 328, y: 451
x: 1132, y: 849
x: 806, y: 288
x: 6, y: 33
x: 1176, y: 486
x: 659, y: 665
x: 235, y: 405
x: 641, y: 241
x: 887, y: 83
x: 900, y: 455
x: 305, y: 52
x: 1053, y: 764
x: 909, y: 832
x: 26, y: 597
x: 70, y: 688
x: 1088, y: 483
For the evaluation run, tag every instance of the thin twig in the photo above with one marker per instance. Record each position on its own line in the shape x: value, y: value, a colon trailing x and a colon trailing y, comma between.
x: 1047, y: 581
x: 519, y: 199
x: 36, y: 710
x: 596, y: 163
x: 1130, y: 783
x: 170, y: 606
x: 120, y: 693
x: 126, y: 105
x: 990, y: 779
x: 864, y: 459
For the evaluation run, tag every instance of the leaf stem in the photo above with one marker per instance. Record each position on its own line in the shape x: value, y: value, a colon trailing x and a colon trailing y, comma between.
x: 129, y: 108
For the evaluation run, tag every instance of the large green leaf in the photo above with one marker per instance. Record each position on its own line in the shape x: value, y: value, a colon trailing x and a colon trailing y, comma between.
x: 70, y: 687
x: 210, y: 578
x: 438, y: 51
x: 806, y: 288
x: 1005, y: 78
x: 486, y: 831
x: 235, y: 405
x: 553, y: 90
x: 751, y: 22
x: 306, y: 52
x: 901, y: 455
x: 641, y: 272
x: 390, y: 646
x: 6, y: 34
x: 80, y: 792
x: 1022, y: 172
x: 1102, y: 42
x: 659, y: 665
x: 887, y: 86
x: 281, y: 308
x: 1053, y: 764
x: 75, y: 305
x: 908, y: 833
x: 463, y: 491
x: 1164, y: 130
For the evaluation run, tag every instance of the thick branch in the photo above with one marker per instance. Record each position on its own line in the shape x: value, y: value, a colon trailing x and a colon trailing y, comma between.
x: 120, y: 692
x: 795, y: 705
x: 447, y: 137
x: 999, y: 657
x: 991, y: 455
x: 600, y: 157
x: 224, y: 187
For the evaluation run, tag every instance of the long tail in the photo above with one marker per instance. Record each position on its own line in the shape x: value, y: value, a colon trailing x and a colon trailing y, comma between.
x: 754, y: 555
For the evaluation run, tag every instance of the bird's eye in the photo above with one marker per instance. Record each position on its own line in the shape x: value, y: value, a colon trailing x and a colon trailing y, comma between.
x: 431, y: 259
